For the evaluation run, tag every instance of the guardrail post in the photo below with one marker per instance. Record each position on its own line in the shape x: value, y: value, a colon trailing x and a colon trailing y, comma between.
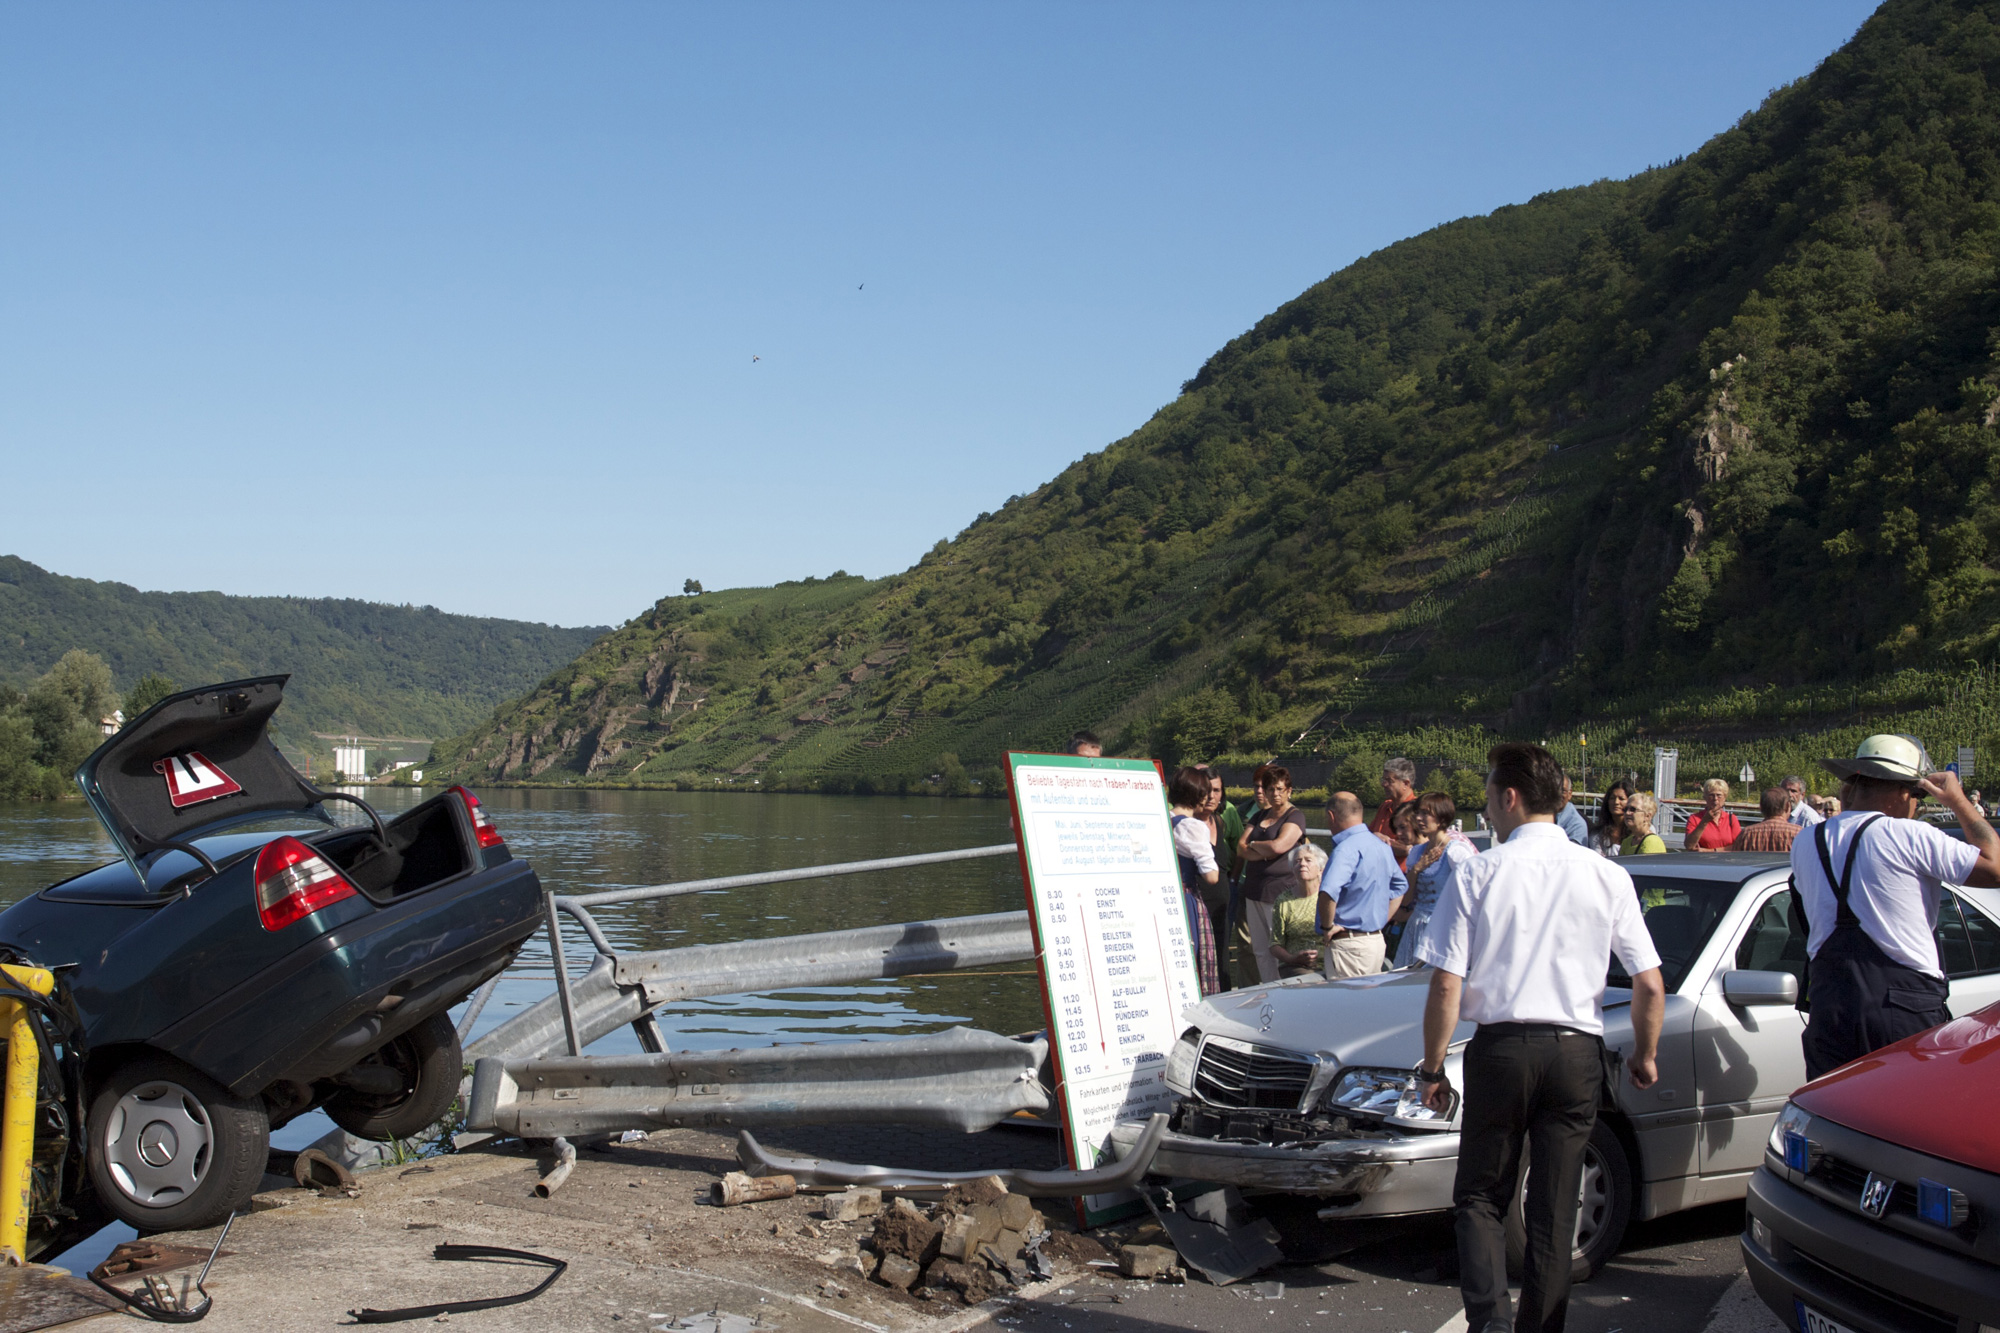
x: 562, y: 975
x: 17, y: 1128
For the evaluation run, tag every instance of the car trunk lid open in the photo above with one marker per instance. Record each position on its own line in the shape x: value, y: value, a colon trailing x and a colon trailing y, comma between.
x: 193, y: 764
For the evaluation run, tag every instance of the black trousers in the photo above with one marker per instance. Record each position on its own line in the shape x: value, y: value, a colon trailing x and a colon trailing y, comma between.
x: 1537, y: 1083
x: 1863, y: 1000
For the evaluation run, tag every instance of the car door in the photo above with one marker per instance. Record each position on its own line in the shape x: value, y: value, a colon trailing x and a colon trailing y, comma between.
x: 1748, y: 1059
x: 1969, y: 950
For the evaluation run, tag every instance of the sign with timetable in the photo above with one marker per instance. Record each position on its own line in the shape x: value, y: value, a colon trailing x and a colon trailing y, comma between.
x: 1111, y: 931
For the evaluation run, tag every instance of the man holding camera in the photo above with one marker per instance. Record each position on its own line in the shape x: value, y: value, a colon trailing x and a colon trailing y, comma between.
x: 1869, y: 880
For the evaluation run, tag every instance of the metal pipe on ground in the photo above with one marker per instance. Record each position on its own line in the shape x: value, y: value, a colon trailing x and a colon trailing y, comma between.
x: 736, y: 1188
x: 565, y: 1163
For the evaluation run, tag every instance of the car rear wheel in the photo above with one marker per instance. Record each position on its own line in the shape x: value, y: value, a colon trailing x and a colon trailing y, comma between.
x: 429, y: 1064
x: 171, y: 1149
x: 1603, y: 1211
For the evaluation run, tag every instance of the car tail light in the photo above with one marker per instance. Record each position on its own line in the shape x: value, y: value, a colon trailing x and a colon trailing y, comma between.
x: 482, y: 823
x: 293, y: 882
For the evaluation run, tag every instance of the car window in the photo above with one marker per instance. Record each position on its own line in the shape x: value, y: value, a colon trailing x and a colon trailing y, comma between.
x: 1680, y: 916
x: 1776, y: 940
x: 1968, y: 940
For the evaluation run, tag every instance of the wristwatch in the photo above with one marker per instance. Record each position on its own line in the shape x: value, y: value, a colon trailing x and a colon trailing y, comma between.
x: 1430, y: 1075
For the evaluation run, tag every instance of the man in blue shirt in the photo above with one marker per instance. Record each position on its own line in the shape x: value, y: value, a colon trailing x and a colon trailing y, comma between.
x: 1569, y: 821
x: 1358, y: 893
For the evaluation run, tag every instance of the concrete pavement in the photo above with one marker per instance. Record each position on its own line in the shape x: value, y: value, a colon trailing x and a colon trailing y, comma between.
x: 646, y: 1251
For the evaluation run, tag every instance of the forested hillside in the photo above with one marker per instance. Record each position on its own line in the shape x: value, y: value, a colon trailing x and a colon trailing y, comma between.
x: 393, y: 671
x: 1711, y: 448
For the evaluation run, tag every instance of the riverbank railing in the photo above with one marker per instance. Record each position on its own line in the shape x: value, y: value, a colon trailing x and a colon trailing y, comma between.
x: 622, y: 988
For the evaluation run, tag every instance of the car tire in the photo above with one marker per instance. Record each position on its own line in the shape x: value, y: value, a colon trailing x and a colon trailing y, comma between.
x: 171, y: 1149
x: 1601, y: 1219
x: 431, y: 1063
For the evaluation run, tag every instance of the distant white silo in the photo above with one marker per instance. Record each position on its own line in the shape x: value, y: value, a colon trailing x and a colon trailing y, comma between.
x: 350, y: 758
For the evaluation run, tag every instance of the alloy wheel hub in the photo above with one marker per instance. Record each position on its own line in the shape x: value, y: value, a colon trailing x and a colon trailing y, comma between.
x: 158, y: 1143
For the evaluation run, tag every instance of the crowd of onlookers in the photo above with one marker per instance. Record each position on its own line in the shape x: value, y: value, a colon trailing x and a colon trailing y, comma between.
x: 1265, y: 901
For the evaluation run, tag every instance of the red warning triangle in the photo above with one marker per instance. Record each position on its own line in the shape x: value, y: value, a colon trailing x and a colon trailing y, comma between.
x: 192, y: 779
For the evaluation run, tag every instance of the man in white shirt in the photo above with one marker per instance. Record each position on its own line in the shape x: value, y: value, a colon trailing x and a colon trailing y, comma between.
x: 1869, y: 880
x: 1800, y: 814
x: 1519, y: 941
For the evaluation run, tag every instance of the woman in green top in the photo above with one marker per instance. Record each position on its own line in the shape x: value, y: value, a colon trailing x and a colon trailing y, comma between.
x: 1640, y: 840
x: 1295, y: 920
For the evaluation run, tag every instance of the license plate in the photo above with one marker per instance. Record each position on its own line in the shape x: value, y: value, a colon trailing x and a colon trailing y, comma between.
x: 1812, y: 1321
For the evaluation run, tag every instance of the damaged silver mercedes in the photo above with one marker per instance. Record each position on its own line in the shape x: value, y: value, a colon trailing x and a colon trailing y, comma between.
x: 1306, y: 1087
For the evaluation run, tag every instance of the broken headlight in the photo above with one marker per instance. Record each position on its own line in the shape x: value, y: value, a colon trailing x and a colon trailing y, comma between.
x: 1393, y: 1094
x: 1371, y: 1090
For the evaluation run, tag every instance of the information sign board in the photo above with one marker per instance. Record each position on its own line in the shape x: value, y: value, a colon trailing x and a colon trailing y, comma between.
x: 1111, y: 935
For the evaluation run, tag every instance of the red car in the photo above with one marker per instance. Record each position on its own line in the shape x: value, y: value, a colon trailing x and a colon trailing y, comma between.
x: 1877, y: 1209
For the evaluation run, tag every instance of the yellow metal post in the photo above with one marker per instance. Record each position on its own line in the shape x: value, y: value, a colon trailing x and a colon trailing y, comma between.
x: 17, y: 1114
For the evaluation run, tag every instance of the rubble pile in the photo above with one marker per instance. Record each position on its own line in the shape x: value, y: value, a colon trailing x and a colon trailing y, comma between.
x: 975, y: 1242
x: 979, y: 1241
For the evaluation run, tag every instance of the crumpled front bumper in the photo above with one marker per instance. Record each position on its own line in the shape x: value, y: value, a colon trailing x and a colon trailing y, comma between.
x: 1357, y: 1177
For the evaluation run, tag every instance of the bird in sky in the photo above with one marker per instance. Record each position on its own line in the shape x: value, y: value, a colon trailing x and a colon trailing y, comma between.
x: 755, y: 359
x: 862, y: 285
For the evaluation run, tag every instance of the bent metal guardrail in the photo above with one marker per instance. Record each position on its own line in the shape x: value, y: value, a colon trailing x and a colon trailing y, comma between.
x: 962, y: 1078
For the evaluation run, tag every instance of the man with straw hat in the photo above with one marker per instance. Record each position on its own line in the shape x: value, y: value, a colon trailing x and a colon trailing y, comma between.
x: 1869, y: 879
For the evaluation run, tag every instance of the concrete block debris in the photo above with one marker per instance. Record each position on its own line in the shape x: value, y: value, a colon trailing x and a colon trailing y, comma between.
x: 1155, y: 1263
x: 1017, y: 1213
x: 898, y: 1272
x: 969, y: 1282
x: 851, y: 1205
x: 903, y: 1230
x: 738, y: 1188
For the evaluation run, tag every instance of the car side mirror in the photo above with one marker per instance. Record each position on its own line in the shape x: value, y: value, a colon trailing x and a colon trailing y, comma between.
x: 1744, y: 988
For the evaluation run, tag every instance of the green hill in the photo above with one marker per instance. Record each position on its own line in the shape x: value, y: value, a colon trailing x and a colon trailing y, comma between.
x: 357, y: 667
x: 1708, y: 452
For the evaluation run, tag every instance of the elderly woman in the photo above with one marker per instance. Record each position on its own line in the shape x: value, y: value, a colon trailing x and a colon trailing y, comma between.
x: 1294, y: 921
x: 1640, y: 840
x: 1712, y: 828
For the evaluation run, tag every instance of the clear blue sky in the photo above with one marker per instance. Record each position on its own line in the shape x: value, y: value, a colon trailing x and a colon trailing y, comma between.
x: 457, y: 303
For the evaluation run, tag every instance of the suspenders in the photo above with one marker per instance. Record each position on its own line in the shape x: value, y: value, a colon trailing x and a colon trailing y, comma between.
x: 1843, y: 914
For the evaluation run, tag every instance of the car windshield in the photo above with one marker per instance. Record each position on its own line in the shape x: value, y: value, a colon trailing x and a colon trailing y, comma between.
x: 1680, y: 915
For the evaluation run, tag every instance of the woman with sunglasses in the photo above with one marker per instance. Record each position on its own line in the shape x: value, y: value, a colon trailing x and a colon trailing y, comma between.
x: 1269, y: 849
